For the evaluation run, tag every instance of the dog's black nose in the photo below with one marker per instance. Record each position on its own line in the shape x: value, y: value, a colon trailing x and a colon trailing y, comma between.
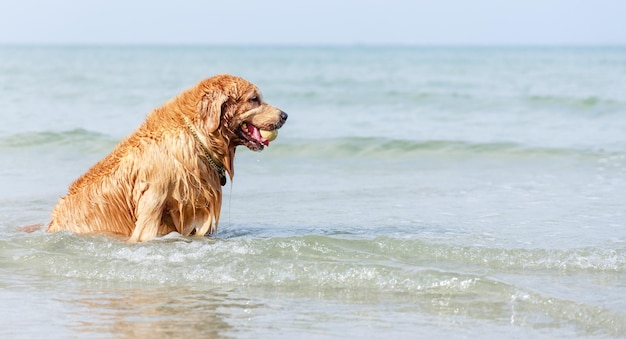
x: 283, y: 116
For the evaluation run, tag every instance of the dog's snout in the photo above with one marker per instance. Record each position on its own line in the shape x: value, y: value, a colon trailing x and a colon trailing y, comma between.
x: 283, y: 118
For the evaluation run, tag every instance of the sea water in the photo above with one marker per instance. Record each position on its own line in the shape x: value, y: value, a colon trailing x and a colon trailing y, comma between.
x: 413, y: 192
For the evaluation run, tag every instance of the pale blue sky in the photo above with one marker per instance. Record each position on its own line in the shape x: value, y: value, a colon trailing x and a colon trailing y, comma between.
x: 439, y: 22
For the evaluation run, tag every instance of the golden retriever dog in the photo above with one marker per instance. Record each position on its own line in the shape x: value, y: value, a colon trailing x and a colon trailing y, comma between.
x: 167, y: 176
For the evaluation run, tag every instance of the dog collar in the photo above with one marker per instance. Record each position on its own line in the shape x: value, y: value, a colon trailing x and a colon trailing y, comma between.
x: 217, y: 167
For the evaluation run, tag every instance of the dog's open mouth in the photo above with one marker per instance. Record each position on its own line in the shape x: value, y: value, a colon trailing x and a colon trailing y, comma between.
x: 257, y: 138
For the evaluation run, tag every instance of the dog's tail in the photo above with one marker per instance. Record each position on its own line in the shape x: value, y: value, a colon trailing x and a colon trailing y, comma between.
x: 30, y: 228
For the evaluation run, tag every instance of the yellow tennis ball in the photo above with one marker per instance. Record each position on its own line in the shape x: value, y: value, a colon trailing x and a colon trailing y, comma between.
x: 269, y: 135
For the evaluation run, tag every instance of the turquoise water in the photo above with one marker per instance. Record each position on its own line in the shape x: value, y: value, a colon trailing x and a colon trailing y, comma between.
x: 413, y: 192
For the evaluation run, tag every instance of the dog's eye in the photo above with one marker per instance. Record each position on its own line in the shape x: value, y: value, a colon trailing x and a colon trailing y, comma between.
x: 254, y: 99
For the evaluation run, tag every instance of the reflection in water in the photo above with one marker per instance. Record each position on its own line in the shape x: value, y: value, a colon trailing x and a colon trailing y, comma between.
x: 144, y: 313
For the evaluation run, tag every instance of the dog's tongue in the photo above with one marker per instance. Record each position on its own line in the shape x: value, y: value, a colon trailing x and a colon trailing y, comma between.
x: 254, y: 132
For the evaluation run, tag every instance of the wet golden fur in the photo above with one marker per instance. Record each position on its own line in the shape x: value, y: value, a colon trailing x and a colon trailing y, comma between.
x: 158, y: 180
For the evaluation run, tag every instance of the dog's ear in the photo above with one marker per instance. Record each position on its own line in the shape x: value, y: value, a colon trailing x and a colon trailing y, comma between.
x: 210, y: 109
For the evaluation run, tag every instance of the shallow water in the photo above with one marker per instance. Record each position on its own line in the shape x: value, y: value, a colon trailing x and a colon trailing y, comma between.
x: 432, y: 191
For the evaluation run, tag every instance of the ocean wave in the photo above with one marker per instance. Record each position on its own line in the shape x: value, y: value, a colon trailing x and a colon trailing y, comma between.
x: 364, y: 147
x: 588, y: 102
x: 389, y: 148
x: 381, y: 263
x: 76, y: 138
x: 435, y: 277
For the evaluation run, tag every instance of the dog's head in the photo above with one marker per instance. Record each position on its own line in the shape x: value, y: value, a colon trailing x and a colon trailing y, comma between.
x: 234, y: 108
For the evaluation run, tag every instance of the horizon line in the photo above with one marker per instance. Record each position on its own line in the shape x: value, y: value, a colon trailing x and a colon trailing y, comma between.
x: 314, y: 45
